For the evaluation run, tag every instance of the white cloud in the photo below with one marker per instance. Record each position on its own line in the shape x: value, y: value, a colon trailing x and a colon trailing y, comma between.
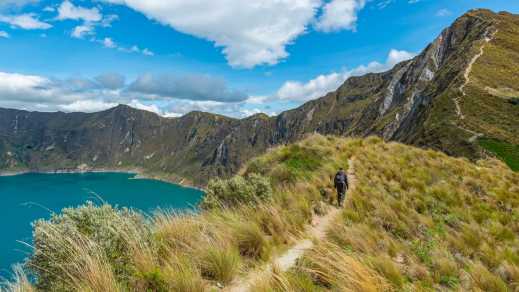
x: 87, y: 106
x: 251, y: 33
x: 91, y: 18
x: 49, y: 9
x: 25, y: 21
x: 14, y: 83
x: 108, y: 19
x: 146, y: 107
x: 339, y: 14
x: 67, y: 10
x: 4, y: 34
x: 83, y: 30
x: 312, y: 89
x: 168, y: 95
x: 322, y: 84
x: 443, y: 12
x: 109, y: 43
x: 396, y: 56
x: 32, y: 92
x: 147, y: 52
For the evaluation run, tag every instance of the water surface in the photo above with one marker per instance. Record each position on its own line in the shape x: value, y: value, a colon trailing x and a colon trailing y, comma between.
x: 25, y: 198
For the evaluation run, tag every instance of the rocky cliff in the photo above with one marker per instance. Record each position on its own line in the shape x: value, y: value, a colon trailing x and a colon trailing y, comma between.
x: 459, y: 90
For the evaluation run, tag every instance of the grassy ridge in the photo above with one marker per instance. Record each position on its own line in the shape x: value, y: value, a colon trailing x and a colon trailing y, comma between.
x: 418, y: 220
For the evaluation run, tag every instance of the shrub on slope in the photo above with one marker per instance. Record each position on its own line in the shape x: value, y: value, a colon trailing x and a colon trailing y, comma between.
x: 101, y: 248
x: 237, y: 190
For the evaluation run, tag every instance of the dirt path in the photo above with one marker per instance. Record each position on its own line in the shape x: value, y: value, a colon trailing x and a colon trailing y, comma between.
x: 489, y: 36
x: 284, y: 262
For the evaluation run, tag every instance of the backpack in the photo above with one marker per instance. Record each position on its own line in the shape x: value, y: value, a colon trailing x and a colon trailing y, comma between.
x: 340, y: 179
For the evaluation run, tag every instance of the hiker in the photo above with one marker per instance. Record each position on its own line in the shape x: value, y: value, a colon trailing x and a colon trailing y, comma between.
x: 341, y: 184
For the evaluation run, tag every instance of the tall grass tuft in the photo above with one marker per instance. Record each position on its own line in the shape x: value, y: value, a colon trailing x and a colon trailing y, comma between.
x: 332, y: 267
x: 19, y: 283
x: 220, y: 264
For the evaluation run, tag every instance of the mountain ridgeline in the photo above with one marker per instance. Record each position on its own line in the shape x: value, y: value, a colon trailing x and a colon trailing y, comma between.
x: 458, y: 96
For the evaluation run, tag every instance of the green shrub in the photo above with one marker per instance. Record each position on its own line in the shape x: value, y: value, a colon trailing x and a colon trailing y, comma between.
x: 237, y: 190
x: 67, y: 243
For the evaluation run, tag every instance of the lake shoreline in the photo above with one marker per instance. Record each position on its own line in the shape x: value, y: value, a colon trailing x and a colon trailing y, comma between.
x: 139, y: 174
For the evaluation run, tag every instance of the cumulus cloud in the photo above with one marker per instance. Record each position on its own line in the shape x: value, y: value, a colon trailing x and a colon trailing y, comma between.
x: 152, y: 93
x: 312, y: 89
x: 339, y: 14
x: 90, y: 18
x: 192, y: 87
x: 4, y: 34
x: 67, y: 10
x: 109, y: 43
x: 322, y: 84
x: 83, y: 30
x: 25, y: 21
x: 397, y: 56
x: 169, y: 95
x: 14, y: 85
x: 251, y: 33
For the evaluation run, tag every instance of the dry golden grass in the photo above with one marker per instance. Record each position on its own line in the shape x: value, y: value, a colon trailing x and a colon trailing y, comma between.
x: 426, y: 221
x: 418, y: 220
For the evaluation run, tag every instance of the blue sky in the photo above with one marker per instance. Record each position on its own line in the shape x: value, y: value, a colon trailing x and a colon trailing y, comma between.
x: 231, y: 57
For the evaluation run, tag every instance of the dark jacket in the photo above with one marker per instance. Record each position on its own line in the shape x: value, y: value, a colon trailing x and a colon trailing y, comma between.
x: 341, y: 180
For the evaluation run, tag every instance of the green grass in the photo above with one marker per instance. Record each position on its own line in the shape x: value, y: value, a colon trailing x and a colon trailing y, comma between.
x: 507, y: 152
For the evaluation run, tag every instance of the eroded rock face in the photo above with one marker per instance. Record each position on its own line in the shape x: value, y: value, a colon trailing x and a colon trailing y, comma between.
x: 410, y: 103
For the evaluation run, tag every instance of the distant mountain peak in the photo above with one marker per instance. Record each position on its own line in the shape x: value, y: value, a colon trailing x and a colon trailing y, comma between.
x: 458, y: 90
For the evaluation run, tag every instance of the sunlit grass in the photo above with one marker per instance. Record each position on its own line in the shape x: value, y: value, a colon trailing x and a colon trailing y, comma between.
x: 418, y: 220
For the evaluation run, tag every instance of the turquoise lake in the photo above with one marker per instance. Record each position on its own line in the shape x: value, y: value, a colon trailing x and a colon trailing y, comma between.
x: 25, y: 198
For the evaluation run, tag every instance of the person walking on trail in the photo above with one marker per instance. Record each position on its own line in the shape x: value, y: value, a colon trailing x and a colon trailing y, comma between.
x: 341, y: 184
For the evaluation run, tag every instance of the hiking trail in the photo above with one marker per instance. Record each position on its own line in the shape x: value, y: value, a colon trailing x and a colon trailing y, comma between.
x: 459, y: 113
x: 287, y: 260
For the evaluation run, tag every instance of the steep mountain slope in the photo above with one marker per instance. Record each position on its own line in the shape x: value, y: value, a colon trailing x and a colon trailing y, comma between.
x: 457, y: 95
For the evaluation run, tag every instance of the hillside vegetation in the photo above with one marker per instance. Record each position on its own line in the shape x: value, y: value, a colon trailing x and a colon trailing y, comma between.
x: 417, y: 220
x: 463, y: 86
